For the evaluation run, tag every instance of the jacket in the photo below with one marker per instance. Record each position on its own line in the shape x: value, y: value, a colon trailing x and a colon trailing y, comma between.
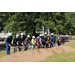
x: 8, y: 40
x: 16, y: 40
x: 33, y: 41
x: 41, y: 39
x: 45, y: 38
x: 58, y: 38
x: 21, y: 40
x: 27, y: 41
x: 51, y: 39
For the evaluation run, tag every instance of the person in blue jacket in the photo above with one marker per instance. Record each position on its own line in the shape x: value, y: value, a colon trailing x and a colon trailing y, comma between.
x: 15, y: 43
x: 40, y: 39
x: 51, y: 40
x: 8, y: 43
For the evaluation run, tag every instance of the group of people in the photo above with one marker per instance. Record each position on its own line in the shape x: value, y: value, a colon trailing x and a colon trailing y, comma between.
x: 40, y: 42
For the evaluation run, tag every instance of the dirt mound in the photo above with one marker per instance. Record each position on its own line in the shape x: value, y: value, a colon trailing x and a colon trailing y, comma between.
x: 35, y: 55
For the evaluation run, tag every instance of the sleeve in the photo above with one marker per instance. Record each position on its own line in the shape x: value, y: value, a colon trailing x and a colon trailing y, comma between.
x: 20, y: 41
x: 7, y: 40
x: 47, y: 39
x: 50, y: 38
x: 53, y: 39
x: 15, y: 41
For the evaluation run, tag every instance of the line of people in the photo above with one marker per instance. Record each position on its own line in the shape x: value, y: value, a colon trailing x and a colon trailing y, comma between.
x: 40, y: 41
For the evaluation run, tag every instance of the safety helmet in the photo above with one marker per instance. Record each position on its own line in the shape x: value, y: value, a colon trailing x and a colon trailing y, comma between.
x: 51, y: 33
x: 21, y: 33
x: 10, y: 34
x: 45, y: 33
x: 33, y: 37
x: 28, y: 36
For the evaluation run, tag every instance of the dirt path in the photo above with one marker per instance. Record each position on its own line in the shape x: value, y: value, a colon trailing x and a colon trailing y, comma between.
x: 35, y: 55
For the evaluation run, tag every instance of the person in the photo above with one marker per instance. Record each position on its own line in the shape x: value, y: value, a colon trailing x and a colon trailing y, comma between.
x: 48, y: 42
x: 27, y: 42
x: 21, y: 42
x: 33, y: 42
x: 51, y: 40
x: 37, y: 42
x: 15, y: 43
x: 45, y: 40
x: 40, y: 39
x: 8, y: 43
x: 58, y: 39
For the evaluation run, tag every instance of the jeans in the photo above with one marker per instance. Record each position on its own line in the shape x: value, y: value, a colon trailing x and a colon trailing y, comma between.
x: 26, y: 47
x: 59, y: 43
x: 39, y: 46
x: 7, y: 49
x: 32, y: 47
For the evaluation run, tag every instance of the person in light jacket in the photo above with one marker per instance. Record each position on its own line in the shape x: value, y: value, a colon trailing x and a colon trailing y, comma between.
x: 33, y: 42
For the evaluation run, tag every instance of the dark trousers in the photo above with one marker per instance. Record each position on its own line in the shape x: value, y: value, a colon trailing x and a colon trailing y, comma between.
x: 45, y: 44
x: 59, y: 43
x: 39, y: 46
x: 51, y: 45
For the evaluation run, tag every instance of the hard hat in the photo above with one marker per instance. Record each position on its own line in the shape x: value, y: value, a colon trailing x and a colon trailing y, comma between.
x: 33, y: 37
x: 40, y: 35
x: 28, y: 36
x: 45, y: 33
x: 17, y: 35
x: 51, y: 33
x: 10, y: 34
x: 21, y: 33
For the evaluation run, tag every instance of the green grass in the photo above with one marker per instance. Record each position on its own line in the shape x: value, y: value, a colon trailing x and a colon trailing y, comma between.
x: 63, y: 57
x: 72, y: 44
x: 3, y: 53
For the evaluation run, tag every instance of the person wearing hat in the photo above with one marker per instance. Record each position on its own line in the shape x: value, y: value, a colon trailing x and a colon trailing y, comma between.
x: 51, y: 40
x: 21, y: 42
x: 15, y: 43
x: 45, y: 40
x: 40, y: 39
x: 8, y: 43
x: 33, y: 42
x: 27, y: 42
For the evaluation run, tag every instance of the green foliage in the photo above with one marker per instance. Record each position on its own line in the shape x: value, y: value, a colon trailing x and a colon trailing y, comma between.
x: 58, y: 22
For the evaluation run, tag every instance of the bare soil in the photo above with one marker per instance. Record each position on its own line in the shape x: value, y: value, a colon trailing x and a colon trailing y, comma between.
x: 35, y: 55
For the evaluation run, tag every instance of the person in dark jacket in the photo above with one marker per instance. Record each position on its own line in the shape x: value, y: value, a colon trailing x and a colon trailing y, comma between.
x: 21, y: 42
x: 51, y: 40
x: 15, y: 43
x: 8, y: 43
x: 45, y: 41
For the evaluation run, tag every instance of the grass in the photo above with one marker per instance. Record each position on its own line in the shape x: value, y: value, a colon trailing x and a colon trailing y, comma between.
x: 72, y: 44
x: 3, y: 53
x: 63, y: 57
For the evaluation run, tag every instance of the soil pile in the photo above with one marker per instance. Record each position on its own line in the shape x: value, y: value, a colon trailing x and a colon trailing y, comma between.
x: 35, y: 55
